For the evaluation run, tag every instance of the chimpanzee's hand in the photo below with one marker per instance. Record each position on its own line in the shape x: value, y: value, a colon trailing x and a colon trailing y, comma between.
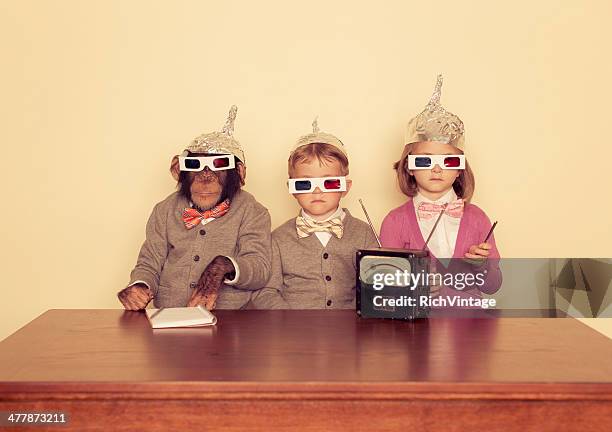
x: 207, y: 289
x: 135, y: 297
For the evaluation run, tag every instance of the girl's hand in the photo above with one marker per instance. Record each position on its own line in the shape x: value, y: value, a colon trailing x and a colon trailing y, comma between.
x: 477, y: 254
x: 434, y: 290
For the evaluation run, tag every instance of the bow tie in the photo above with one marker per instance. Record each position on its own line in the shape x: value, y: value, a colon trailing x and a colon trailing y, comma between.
x: 305, y: 227
x: 427, y: 210
x: 192, y: 217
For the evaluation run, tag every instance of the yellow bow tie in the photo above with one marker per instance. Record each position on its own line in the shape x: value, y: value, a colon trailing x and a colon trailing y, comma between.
x: 305, y: 227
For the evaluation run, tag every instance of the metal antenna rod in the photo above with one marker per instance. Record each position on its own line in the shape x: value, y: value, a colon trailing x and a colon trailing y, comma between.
x: 435, y: 225
x: 370, y: 222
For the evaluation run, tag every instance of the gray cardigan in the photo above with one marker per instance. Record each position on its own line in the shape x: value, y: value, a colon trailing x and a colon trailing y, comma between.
x: 306, y: 275
x: 173, y: 258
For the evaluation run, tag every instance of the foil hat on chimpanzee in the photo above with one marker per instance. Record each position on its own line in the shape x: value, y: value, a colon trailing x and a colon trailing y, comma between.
x: 219, y: 142
x: 434, y: 123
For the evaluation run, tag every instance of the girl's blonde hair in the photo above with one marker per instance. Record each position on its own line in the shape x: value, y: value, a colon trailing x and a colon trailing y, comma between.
x: 464, y: 185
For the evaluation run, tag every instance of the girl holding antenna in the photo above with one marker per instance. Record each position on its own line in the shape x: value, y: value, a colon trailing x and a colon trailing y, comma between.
x: 435, y: 175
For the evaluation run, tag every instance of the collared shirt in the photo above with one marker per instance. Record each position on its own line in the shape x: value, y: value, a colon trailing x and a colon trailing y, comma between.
x: 324, y: 236
x: 442, y: 242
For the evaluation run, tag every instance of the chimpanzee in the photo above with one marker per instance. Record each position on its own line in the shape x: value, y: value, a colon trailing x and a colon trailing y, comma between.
x: 208, y: 243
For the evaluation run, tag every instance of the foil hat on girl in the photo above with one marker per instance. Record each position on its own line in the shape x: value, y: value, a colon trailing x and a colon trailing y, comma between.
x: 434, y: 123
x: 319, y: 137
x: 219, y: 142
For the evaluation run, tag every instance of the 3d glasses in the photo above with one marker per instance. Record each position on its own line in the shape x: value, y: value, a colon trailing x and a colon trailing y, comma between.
x: 325, y: 184
x: 417, y: 162
x: 214, y: 163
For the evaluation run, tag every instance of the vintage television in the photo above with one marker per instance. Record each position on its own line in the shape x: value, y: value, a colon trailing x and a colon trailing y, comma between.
x: 371, y: 262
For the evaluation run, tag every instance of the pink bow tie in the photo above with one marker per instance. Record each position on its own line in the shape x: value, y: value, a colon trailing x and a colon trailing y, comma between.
x: 428, y: 210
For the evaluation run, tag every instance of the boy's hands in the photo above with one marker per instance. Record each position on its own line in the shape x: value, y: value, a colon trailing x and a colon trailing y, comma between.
x: 135, y: 297
x: 207, y: 290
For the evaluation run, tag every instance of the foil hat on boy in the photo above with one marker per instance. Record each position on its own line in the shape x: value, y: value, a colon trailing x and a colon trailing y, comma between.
x: 219, y: 142
x: 319, y: 137
x: 434, y: 123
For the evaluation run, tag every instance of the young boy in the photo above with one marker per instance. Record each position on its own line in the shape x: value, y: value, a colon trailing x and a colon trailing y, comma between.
x: 313, y: 255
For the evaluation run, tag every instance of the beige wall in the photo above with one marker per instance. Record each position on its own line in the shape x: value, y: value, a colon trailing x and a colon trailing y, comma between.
x: 98, y: 95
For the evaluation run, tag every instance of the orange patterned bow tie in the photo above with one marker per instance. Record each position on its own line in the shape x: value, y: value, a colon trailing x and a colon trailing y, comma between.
x: 193, y: 217
x: 428, y: 210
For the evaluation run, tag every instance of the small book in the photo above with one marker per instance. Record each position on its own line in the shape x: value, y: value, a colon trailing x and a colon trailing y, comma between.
x: 180, y: 317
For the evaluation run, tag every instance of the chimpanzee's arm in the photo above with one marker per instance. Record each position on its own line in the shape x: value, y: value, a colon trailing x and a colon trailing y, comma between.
x: 153, y: 252
x: 270, y: 297
x: 254, y: 256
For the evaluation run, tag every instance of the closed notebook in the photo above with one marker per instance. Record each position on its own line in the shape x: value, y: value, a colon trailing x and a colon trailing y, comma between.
x: 180, y: 317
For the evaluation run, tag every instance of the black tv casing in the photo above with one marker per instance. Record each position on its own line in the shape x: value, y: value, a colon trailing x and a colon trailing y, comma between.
x: 419, y: 260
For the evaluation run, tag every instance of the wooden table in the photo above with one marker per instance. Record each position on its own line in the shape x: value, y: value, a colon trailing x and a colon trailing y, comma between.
x: 309, y: 370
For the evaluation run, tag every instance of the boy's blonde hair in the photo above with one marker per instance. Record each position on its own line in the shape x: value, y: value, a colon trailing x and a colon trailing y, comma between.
x: 322, y: 152
x: 464, y: 185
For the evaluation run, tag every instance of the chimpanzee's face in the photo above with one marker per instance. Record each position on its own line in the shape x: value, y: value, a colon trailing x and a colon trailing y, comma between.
x: 206, y: 187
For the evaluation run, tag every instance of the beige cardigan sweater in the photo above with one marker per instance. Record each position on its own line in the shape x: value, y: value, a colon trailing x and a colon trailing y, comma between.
x: 173, y: 258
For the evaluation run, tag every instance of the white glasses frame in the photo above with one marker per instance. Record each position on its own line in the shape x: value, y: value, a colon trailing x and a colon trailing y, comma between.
x: 316, y: 182
x: 206, y: 161
x: 435, y: 160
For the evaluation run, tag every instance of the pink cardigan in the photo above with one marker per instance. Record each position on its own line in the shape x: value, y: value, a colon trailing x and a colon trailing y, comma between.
x: 400, y: 230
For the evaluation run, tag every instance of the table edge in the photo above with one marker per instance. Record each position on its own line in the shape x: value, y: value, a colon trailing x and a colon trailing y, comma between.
x: 304, y: 390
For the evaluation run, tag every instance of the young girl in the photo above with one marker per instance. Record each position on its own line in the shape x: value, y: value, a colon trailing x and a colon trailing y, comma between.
x: 434, y: 174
